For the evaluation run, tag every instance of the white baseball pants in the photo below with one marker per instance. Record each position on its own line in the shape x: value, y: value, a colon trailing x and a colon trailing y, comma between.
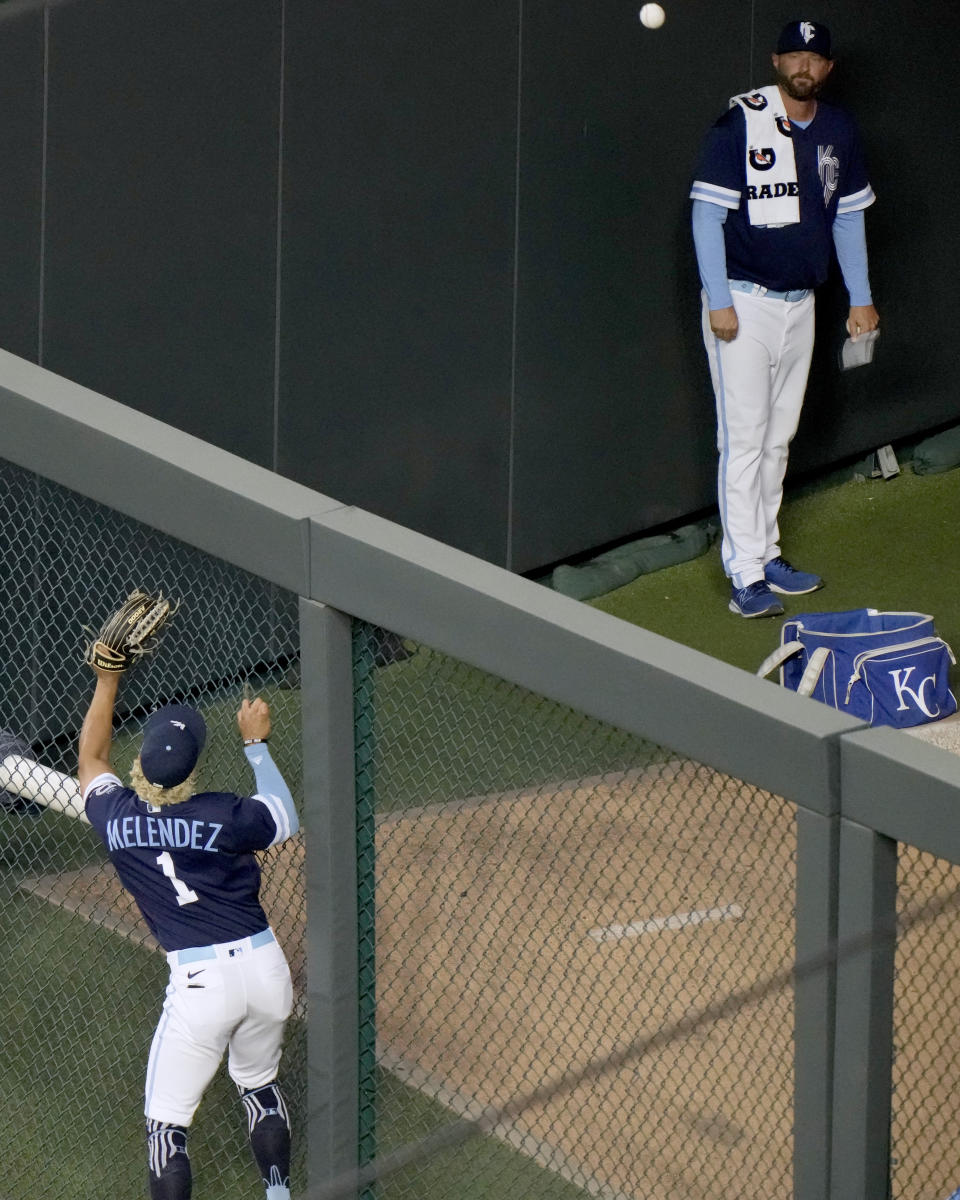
x: 236, y: 998
x: 759, y: 380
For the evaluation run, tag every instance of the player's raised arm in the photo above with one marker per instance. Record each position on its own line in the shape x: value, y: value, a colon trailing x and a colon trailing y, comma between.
x: 253, y: 721
x: 96, y: 733
x: 128, y: 633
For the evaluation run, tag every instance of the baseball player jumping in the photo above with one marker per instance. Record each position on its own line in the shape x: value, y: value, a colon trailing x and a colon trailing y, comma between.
x: 187, y: 859
x: 779, y: 182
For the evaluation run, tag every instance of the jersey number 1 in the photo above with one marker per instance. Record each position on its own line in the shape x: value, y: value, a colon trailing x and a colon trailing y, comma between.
x: 185, y: 895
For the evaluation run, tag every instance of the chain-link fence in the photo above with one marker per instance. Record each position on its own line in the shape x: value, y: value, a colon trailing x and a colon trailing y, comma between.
x: 83, y: 979
x: 538, y: 890
x: 926, y: 1102
x: 577, y: 948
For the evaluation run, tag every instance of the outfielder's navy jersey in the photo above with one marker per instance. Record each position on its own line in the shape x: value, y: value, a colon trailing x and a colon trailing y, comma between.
x: 189, y: 866
x: 831, y: 176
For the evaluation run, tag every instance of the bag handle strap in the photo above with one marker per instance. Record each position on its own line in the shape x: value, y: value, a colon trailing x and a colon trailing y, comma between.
x: 811, y: 673
x: 778, y: 657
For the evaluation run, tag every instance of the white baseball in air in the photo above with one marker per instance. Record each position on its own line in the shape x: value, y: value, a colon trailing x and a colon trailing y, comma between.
x: 652, y: 16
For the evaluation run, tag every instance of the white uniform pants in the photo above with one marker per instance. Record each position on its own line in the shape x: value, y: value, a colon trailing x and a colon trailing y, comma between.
x: 238, y: 997
x: 759, y: 380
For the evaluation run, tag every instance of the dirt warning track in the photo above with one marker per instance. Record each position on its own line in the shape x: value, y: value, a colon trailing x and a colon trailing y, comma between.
x: 522, y: 936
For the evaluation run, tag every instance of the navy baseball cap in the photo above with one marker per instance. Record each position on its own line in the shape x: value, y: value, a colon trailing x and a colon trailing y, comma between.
x: 805, y: 35
x: 172, y: 740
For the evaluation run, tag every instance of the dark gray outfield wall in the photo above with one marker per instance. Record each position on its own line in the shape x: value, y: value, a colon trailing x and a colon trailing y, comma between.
x: 432, y: 258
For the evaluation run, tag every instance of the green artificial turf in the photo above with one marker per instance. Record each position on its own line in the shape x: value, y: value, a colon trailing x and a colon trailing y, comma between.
x: 887, y: 544
x: 76, y: 1034
x: 444, y: 731
x: 479, y: 1168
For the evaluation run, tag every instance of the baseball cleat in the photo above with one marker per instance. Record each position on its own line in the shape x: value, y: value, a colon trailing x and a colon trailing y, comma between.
x: 755, y: 600
x: 782, y: 577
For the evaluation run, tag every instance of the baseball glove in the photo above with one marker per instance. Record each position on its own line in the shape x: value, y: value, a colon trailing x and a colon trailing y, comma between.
x: 129, y: 633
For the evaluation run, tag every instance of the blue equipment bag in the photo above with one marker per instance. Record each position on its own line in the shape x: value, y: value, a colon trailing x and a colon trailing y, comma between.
x: 885, y: 668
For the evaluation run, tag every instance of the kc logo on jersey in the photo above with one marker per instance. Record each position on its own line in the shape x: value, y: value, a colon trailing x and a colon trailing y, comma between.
x: 829, y: 167
x: 761, y: 159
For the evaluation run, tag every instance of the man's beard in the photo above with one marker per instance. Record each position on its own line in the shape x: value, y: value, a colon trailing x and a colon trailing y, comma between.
x: 799, y: 88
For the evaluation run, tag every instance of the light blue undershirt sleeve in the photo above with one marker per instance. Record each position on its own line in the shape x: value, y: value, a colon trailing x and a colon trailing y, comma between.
x: 711, y: 250
x: 850, y: 239
x: 272, y: 787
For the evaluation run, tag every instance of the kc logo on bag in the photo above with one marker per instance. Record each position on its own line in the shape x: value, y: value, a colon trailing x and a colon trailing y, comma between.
x: 903, y: 689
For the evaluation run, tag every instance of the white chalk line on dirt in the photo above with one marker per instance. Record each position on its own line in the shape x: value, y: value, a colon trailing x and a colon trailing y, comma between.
x: 683, y: 920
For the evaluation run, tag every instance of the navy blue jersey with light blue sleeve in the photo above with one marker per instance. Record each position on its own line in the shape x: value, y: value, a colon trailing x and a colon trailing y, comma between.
x: 832, y: 180
x: 191, y: 867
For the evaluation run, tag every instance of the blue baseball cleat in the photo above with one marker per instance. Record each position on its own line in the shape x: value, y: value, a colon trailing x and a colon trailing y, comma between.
x: 755, y: 600
x: 786, y: 579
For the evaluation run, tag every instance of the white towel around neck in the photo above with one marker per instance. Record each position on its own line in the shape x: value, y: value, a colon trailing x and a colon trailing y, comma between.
x: 772, y: 193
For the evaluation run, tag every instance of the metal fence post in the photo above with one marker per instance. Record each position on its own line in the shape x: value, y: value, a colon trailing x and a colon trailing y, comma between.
x: 364, y: 767
x: 864, y: 1036
x: 328, y: 785
x: 814, y: 1003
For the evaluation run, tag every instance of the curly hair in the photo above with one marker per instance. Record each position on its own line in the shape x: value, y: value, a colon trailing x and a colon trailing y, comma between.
x: 154, y: 794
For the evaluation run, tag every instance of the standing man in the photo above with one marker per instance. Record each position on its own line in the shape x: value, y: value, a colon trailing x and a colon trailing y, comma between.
x: 779, y: 182
x: 187, y: 858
